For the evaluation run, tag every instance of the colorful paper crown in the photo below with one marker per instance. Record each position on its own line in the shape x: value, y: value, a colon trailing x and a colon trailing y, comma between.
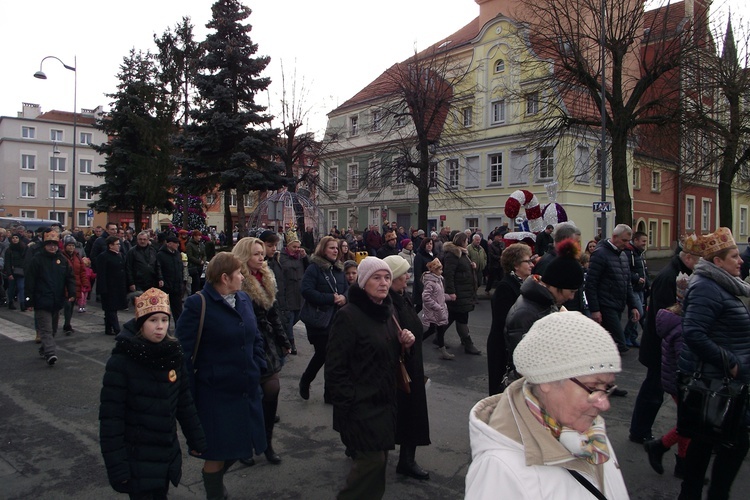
x: 710, y: 244
x: 151, y: 301
x: 51, y: 235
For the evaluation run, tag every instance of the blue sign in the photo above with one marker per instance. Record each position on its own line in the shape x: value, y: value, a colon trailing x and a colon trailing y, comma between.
x: 90, y: 212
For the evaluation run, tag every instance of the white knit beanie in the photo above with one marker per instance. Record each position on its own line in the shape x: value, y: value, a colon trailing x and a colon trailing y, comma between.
x: 564, y: 345
x: 369, y: 266
x: 398, y: 265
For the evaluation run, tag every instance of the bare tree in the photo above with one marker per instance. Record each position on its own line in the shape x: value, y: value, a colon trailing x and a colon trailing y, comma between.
x: 717, y: 116
x: 642, y: 51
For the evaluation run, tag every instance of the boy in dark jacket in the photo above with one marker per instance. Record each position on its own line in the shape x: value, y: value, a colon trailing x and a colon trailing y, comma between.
x: 49, y: 283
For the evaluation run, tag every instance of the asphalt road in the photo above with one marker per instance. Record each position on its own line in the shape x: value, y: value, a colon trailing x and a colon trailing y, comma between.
x: 49, y: 425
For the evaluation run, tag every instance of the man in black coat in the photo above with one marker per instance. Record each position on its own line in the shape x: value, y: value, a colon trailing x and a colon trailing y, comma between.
x: 141, y: 265
x: 170, y: 262
x: 49, y: 283
x: 390, y: 247
x: 544, y: 240
x: 651, y: 395
x: 100, y: 244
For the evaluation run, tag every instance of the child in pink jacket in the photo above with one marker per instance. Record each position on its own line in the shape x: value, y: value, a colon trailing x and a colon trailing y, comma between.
x: 434, y: 310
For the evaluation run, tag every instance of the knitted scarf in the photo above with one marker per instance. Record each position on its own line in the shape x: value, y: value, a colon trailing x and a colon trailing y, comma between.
x: 590, y: 445
x: 731, y: 284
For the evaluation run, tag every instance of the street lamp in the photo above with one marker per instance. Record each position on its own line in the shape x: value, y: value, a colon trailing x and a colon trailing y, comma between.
x: 42, y: 76
x: 53, y: 189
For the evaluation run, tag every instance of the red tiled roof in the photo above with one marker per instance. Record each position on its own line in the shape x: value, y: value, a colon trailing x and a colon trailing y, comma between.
x: 66, y: 116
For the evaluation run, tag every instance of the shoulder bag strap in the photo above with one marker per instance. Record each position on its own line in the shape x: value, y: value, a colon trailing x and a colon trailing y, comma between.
x: 586, y: 484
x: 200, y: 329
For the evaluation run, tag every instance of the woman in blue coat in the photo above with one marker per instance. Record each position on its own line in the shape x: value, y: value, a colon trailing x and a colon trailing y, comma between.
x: 715, y: 328
x: 226, y: 372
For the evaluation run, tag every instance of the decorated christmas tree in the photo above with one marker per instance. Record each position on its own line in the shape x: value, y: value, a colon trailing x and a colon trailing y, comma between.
x: 188, y: 213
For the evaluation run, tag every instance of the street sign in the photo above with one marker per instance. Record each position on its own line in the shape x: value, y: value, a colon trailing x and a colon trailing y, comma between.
x: 602, y: 206
x: 90, y: 213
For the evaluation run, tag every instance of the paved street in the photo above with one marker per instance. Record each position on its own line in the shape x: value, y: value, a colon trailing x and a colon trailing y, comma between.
x: 49, y: 426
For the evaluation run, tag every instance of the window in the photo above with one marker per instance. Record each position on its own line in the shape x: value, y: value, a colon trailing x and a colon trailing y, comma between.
x: 210, y: 199
x: 28, y: 189
x: 58, y: 216
x: 582, y: 165
x: 743, y: 220
x: 499, y: 66
x: 495, y: 168
x: 546, y: 164
x: 433, y: 174
x: 598, y: 168
x: 57, y: 164
x: 352, y: 176
x: 353, y: 125
x: 84, y: 193
x: 82, y: 219
x: 28, y: 132
x: 655, y: 182
x: 636, y: 178
x: 471, y: 223
x: 333, y: 179
x: 401, y: 119
x: 689, y: 213
x: 665, y: 234
x: 57, y: 190
x: 84, y: 165
x: 377, y: 121
x: 232, y: 198
x: 498, y: 112
x: 375, y: 217
x: 399, y: 168
x: 85, y: 138
x: 247, y: 200
x: 374, y: 174
x: 452, y: 173
x: 466, y: 112
x: 333, y: 219
x: 472, y: 172
x: 28, y: 162
x: 706, y: 215
x: 56, y: 135
x: 28, y: 214
x: 652, y: 228
x: 532, y: 103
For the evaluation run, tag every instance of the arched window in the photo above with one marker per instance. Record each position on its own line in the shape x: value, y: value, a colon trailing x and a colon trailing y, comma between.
x: 499, y: 66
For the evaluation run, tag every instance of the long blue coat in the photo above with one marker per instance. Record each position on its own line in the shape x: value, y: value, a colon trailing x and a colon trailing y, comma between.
x: 228, y: 368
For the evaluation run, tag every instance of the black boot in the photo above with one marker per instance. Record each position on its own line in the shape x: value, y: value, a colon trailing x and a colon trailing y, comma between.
x: 408, y: 466
x: 304, y: 388
x: 679, y: 467
x: 269, y: 414
x: 463, y: 332
x: 214, y: 484
x: 655, y: 450
x: 293, y: 351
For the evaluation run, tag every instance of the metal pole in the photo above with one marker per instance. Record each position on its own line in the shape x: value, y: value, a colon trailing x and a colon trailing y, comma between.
x: 74, y: 191
x: 603, y: 162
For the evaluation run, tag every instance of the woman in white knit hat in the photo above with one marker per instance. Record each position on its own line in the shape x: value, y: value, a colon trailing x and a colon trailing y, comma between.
x: 364, y: 345
x: 544, y: 437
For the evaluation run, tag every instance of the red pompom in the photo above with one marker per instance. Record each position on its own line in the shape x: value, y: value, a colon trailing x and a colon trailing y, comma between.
x: 568, y: 248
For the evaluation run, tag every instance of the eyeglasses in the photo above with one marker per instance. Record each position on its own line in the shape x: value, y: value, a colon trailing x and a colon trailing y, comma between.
x: 595, y: 395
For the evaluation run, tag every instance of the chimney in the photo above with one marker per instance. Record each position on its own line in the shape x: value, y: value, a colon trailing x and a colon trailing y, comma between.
x: 29, y: 110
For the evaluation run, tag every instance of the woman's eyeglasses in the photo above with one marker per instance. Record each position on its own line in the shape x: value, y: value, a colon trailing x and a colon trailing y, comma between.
x: 595, y: 395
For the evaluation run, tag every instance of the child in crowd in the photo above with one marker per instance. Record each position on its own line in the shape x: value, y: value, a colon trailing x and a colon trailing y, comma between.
x: 145, y: 389
x: 350, y: 271
x: 434, y: 310
x: 88, y: 284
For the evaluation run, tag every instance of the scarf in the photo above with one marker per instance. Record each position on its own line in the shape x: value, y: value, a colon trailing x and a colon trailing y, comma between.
x: 231, y: 299
x: 731, y: 284
x: 166, y: 355
x: 590, y: 445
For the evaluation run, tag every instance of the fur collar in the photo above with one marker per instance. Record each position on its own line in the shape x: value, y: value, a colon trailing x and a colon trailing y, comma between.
x: 264, y: 295
x: 379, y: 312
x: 325, y: 264
x: 454, y: 249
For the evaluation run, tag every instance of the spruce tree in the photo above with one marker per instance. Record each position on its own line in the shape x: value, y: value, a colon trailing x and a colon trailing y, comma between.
x: 229, y: 143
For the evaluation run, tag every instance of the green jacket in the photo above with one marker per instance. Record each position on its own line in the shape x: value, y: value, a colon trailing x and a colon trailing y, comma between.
x: 478, y: 256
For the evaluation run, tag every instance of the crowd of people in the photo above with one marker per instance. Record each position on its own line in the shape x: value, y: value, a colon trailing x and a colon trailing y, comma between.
x: 368, y: 302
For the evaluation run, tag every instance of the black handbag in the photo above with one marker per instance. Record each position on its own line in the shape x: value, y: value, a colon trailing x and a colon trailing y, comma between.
x: 711, y: 409
x: 318, y: 316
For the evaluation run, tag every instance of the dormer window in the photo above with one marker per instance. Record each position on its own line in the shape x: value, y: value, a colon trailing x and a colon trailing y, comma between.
x: 499, y: 66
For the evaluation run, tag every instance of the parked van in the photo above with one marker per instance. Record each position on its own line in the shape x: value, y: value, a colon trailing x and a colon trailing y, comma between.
x: 30, y: 224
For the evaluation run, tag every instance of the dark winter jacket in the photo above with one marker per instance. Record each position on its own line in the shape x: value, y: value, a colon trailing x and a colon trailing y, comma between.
x: 663, y: 294
x: 278, y: 274
x: 196, y: 255
x: 111, y: 282
x: 714, y: 320
x: 142, y: 267
x: 385, y: 250
x: 420, y: 266
x: 638, y: 268
x: 505, y: 296
x: 171, y: 269
x: 745, y: 266
x: 608, y: 280
x: 360, y: 371
x: 49, y: 281
x: 144, y: 393
x: 494, y: 252
x: 321, y: 278
x: 269, y: 318
x: 534, y: 302
x: 459, y: 278
x: 543, y: 243
x: 412, y: 421
x: 15, y: 257
x: 228, y: 367
x: 293, y: 269
x: 669, y: 329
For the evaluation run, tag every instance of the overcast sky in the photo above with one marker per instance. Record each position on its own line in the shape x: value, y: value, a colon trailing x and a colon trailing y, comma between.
x: 335, y: 46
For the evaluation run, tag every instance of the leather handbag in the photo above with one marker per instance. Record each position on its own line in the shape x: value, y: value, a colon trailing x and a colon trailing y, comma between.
x: 403, y: 380
x: 318, y: 316
x: 711, y: 409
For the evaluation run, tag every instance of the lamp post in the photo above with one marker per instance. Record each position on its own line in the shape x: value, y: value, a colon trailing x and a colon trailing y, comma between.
x: 42, y: 76
x: 603, y: 111
x: 53, y: 189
